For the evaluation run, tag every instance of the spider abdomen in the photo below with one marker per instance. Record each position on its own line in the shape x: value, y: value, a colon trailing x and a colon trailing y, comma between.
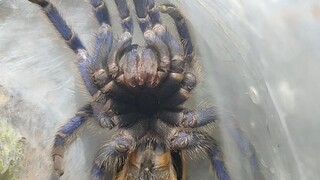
x: 151, y: 160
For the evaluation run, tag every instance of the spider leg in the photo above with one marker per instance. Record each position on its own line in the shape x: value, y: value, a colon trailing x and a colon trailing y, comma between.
x: 122, y: 44
x: 171, y: 53
x: 248, y: 149
x: 65, y: 136
x: 106, y: 109
x: 182, y: 27
x: 149, y: 15
x: 94, y: 65
x: 153, y: 12
x: 112, y: 155
x: 101, y: 11
x: 60, y: 24
x: 190, y: 119
x: 72, y: 41
x: 143, y: 18
x: 177, y: 62
x: 187, y: 84
x: 216, y: 158
x: 198, y: 142
x: 176, y: 51
x: 124, y: 13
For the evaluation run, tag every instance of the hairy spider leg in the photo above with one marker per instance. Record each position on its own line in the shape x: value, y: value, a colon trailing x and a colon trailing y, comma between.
x: 99, y: 75
x: 153, y: 40
x: 102, y: 48
x: 104, y: 39
x: 150, y: 36
x: 65, y: 136
x: 188, y: 83
x: 112, y: 155
x: 146, y: 18
x: 60, y: 24
x: 153, y: 12
x: 123, y: 43
x: 173, y: 89
x: 199, y: 142
x: 124, y: 13
x: 98, y: 172
x: 72, y: 41
x: 176, y: 50
x: 247, y: 148
x: 182, y: 28
x: 190, y: 119
x: 101, y: 11
x: 110, y: 103
x: 192, y: 141
x: 143, y: 18
x: 109, y: 90
x: 216, y: 158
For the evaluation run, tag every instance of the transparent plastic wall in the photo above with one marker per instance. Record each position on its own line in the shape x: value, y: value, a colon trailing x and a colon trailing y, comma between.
x: 260, y: 67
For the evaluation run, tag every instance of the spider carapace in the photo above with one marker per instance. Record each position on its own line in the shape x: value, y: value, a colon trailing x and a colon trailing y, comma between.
x: 140, y: 89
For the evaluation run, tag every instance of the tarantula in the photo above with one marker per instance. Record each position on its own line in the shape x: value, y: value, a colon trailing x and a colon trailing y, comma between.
x: 140, y: 90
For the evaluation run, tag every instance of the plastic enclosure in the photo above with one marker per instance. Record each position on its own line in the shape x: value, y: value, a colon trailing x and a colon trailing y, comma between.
x: 260, y: 66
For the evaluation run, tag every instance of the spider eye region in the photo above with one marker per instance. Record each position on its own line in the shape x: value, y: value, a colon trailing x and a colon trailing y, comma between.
x: 147, y: 104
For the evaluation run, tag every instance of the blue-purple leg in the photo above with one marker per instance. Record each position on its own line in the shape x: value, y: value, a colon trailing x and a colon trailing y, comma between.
x: 60, y: 24
x: 193, y: 141
x: 199, y: 118
x: 142, y: 13
x: 101, y: 11
x: 124, y: 13
x: 98, y: 172
x: 153, y: 12
x: 102, y: 47
x: 190, y: 119
x: 216, y: 158
x: 181, y: 25
x: 84, y: 65
x: 112, y: 155
x: 148, y: 15
x: 65, y: 136
x: 248, y: 150
x: 176, y: 51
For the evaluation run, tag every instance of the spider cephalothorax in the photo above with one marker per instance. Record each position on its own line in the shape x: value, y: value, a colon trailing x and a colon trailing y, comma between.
x: 140, y: 89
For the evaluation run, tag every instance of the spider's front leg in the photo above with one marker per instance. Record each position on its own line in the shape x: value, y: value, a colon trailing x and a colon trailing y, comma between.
x: 65, y: 136
x: 156, y: 35
x: 60, y: 24
x: 182, y: 28
x: 101, y: 11
x: 72, y: 40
